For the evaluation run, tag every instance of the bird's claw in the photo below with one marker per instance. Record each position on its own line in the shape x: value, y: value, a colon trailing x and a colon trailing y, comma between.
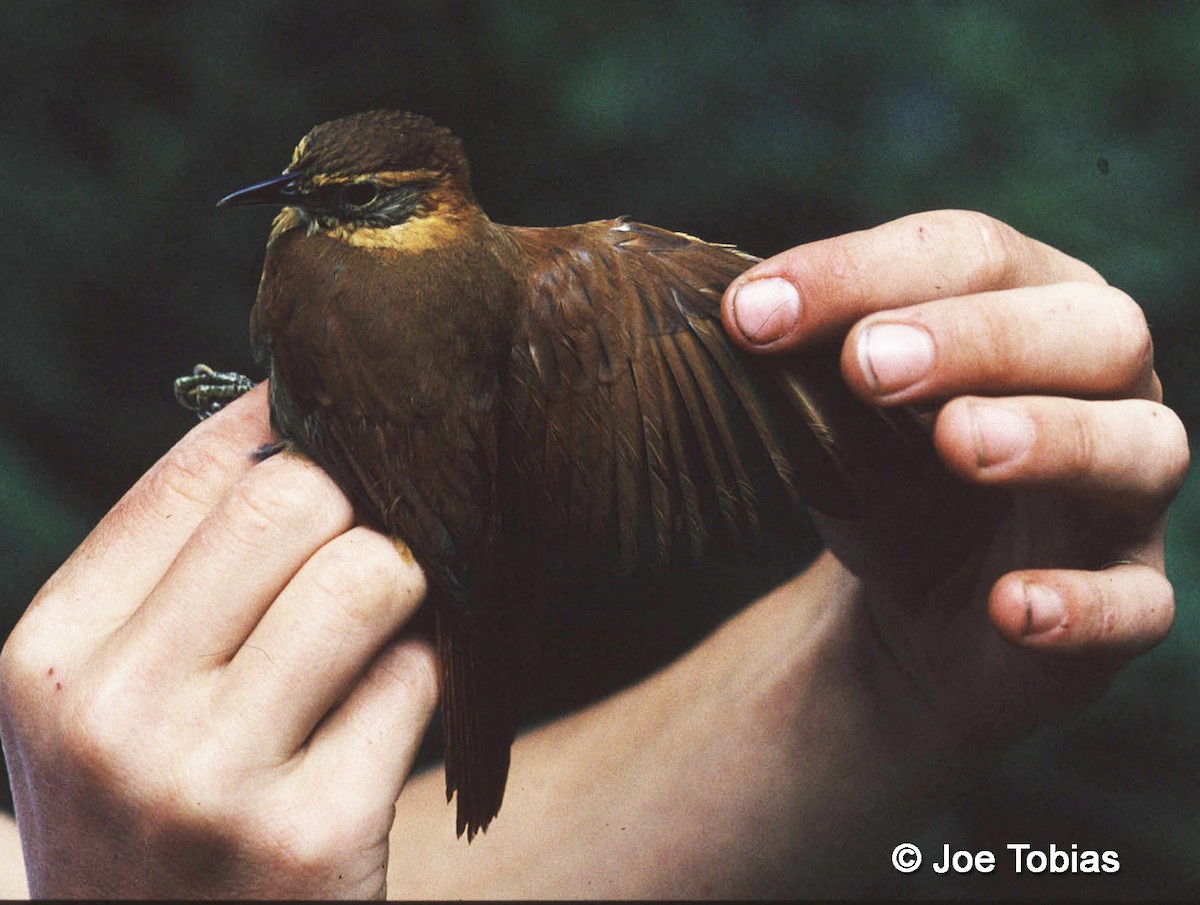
x: 206, y: 391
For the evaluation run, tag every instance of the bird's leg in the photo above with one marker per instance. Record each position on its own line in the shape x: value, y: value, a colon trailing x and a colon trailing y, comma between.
x: 206, y: 391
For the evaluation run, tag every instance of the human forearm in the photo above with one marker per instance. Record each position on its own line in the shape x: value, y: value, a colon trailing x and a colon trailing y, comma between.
x: 768, y: 761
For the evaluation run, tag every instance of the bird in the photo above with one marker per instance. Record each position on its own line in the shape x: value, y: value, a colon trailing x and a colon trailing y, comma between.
x: 529, y: 409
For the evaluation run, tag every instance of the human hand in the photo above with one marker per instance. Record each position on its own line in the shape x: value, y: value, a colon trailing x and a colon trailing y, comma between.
x: 1042, y: 379
x: 209, y: 697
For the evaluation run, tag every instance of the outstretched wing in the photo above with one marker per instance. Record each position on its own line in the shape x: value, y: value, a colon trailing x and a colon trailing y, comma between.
x: 641, y: 437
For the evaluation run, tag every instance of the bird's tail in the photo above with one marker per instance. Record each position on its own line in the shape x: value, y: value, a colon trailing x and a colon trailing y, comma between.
x: 480, y: 655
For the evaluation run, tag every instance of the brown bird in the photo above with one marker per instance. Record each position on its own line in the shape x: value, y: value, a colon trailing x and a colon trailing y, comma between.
x: 531, y: 407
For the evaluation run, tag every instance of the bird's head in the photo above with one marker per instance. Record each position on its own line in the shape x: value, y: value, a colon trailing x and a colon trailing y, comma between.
x: 368, y: 172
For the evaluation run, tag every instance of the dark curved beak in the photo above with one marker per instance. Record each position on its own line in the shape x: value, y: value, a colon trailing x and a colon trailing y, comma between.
x: 282, y: 189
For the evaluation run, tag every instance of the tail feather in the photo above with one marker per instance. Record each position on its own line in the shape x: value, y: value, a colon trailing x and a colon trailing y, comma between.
x: 479, y: 712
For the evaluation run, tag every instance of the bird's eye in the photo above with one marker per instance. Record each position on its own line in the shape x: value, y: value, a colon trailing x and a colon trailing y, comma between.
x: 360, y: 194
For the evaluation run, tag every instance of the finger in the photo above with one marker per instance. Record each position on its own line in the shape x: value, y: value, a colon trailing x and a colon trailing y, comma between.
x: 378, y: 728
x: 1122, y: 610
x: 129, y: 550
x: 344, y: 604
x: 1068, y: 338
x: 819, y: 290
x: 1130, y: 454
x: 236, y: 563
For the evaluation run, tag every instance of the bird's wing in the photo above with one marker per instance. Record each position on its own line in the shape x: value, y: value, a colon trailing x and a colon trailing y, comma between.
x: 642, y: 436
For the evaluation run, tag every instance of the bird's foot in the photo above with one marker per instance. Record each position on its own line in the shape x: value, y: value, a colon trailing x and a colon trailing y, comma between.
x: 206, y: 391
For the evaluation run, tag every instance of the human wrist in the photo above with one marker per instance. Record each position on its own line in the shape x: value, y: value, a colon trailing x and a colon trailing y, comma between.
x: 871, y: 759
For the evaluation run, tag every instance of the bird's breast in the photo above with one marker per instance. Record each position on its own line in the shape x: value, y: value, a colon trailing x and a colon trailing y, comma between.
x: 393, y: 333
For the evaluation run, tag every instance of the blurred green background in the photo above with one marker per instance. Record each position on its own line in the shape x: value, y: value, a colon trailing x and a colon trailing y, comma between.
x: 761, y: 124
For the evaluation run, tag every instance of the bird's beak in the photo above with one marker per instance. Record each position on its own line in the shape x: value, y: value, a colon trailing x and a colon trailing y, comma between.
x: 282, y: 189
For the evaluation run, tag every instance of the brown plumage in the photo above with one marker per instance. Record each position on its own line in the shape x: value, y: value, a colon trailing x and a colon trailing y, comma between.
x: 526, y: 408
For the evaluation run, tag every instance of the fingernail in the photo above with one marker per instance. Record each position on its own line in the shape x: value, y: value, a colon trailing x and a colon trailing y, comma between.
x: 1001, y: 434
x: 766, y: 310
x: 1043, y: 609
x: 894, y: 356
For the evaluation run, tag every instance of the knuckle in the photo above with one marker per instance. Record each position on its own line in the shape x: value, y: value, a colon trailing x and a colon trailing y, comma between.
x: 23, y: 669
x: 309, y: 849
x: 1095, y: 615
x: 203, y: 785
x: 1106, y: 618
x: 21, y: 658
x: 843, y: 269
x: 1135, y: 343
x: 1128, y: 609
x: 1162, y: 612
x: 109, y: 711
x: 992, y: 250
x: 187, y: 471
x: 413, y: 674
x: 1081, y: 457
x: 96, y: 731
x: 264, y: 504
x: 84, y: 713
x: 986, y: 340
x: 357, y: 574
x: 203, y: 791
x: 422, y: 679
x: 1176, y: 454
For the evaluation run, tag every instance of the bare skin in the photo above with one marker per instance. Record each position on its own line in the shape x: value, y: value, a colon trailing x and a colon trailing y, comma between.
x: 209, y: 698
